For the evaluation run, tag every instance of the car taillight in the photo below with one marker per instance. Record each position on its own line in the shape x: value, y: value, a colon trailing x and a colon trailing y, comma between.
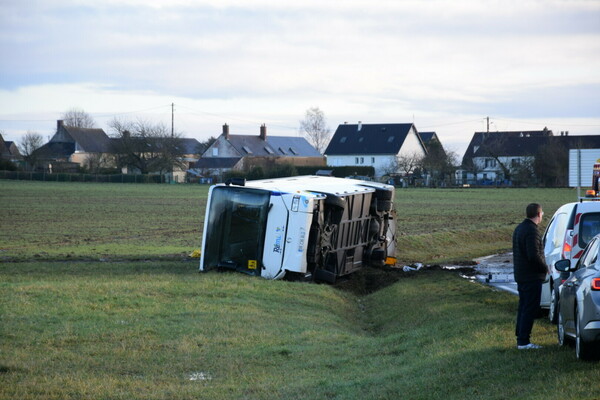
x: 567, y: 247
x: 596, y: 284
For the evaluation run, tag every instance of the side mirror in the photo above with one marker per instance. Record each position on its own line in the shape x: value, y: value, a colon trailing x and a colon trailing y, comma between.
x: 563, y: 265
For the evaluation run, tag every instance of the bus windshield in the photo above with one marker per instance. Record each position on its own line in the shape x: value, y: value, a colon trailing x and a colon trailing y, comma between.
x: 235, y: 232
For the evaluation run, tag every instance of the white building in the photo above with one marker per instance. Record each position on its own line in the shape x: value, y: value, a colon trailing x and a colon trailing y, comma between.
x: 375, y: 145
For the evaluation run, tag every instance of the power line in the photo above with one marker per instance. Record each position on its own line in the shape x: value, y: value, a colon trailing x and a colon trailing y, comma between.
x: 543, y: 123
x: 193, y: 111
x: 453, y: 123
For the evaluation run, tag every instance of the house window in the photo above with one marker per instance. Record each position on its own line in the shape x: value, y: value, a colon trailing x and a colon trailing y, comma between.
x: 215, y: 151
x: 293, y: 151
x: 360, y: 139
x: 362, y: 160
x: 268, y: 150
x: 356, y: 160
x: 515, y: 162
x: 282, y: 151
x: 372, y: 160
x: 490, y: 163
x: 390, y: 139
x: 343, y: 139
x: 247, y: 149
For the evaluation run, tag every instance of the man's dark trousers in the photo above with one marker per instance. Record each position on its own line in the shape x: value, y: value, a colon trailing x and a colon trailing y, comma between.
x: 530, y: 294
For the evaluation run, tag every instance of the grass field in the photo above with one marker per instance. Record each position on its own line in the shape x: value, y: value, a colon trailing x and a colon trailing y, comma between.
x: 61, y: 221
x: 55, y: 220
x: 148, y: 326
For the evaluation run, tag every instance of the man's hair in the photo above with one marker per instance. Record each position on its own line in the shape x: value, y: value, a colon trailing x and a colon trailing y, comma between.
x: 532, y: 210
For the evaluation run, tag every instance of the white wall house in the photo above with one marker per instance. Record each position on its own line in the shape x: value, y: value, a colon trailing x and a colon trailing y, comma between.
x: 488, y: 151
x: 373, y: 145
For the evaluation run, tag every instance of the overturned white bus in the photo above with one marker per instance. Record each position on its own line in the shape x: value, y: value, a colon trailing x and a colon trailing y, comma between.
x: 314, y: 227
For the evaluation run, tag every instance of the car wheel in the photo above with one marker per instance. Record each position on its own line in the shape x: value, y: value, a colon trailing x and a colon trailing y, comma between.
x: 552, y: 312
x: 560, y: 330
x: 583, y: 350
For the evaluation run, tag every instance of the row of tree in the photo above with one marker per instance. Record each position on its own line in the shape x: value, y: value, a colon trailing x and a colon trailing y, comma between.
x: 150, y: 147
x: 140, y: 145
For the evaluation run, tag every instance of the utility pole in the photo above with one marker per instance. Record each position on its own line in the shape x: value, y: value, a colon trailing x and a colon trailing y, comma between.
x: 172, y: 119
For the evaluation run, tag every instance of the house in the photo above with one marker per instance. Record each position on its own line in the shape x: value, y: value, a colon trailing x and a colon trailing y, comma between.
x: 73, y: 147
x: 429, y: 137
x: 9, y: 151
x: 381, y: 146
x: 242, y: 152
x: 497, y: 156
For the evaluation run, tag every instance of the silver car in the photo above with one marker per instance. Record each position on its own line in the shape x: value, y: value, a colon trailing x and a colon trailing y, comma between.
x: 572, y: 226
x: 579, y: 302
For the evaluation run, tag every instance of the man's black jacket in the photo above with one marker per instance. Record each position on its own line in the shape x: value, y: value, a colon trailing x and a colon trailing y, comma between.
x: 527, y: 253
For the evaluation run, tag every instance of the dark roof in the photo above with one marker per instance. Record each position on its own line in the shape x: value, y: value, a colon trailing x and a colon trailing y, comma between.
x: 495, y: 139
x: 520, y: 144
x: 216, y: 162
x: 189, y: 146
x: 427, y: 136
x: 289, y: 146
x: 9, y: 149
x: 369, y: 139
x: 90, y: 140
x: 13, y: 150
x: 55, y: 150
x: 186, y: 145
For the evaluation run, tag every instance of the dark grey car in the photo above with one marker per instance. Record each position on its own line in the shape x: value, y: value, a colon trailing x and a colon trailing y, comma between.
x: 579, y: 304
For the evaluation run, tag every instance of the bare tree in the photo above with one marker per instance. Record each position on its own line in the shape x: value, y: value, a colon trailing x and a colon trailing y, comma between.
x: 551, y: 164
x: 406, y: 164
x: 28, y: 146
x: 98, y: 162
x: 439, y: 164
x: 315, y: 129
x: 78, y: 118
x: 494, y: 146
x: 146, y: 147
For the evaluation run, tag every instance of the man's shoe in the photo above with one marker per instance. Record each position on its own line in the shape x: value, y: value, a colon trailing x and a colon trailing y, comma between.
x: 529, y: 346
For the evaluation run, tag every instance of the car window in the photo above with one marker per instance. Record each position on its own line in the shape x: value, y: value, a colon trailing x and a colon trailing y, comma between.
x: 590, y: 256
x: 547, y: 239
x: 589, y: 226
x: 558, y: 235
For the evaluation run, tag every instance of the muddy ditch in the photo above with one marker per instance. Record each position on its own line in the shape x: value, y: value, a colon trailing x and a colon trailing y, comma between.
x: 494, y: 270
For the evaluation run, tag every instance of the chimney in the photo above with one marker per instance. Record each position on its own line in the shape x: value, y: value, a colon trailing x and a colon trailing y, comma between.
x: 263, y: 132
x: 359, y: 125
x: 59, y: 124
x: 226, y: 131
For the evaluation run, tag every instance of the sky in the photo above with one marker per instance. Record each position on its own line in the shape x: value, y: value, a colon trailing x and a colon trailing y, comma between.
x: 444, y: 65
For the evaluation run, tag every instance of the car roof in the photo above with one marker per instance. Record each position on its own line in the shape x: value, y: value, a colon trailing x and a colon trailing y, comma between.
x: 588, y: 206
x: 582, y: 206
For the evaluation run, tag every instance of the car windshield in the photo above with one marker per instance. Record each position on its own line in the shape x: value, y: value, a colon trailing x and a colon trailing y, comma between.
x: 236, y: 228
x: 589, y: 227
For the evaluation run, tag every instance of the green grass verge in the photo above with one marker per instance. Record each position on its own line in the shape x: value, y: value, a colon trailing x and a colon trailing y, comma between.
x: 159, y: 330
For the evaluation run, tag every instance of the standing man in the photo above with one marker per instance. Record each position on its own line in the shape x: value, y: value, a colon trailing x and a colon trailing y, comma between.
x: 530, y: 270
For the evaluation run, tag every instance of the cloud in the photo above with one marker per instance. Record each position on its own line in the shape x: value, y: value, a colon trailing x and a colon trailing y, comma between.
x: 270, y: 60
